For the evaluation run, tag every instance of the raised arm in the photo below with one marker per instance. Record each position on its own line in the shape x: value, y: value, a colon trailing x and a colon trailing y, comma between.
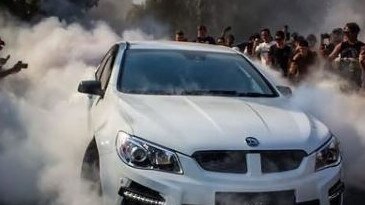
x: 335, y: 52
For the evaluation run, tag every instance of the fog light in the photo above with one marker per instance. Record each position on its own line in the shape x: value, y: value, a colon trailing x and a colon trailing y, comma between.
x: 141, y: 199
x: 335, y: 193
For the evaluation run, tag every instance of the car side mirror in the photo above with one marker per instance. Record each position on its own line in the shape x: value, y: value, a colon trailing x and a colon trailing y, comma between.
x: 91, y: 87
x: 285, y: 90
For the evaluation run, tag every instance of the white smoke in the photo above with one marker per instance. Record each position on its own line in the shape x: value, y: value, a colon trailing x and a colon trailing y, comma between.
x: 42, y: 118
x: 345, y: 116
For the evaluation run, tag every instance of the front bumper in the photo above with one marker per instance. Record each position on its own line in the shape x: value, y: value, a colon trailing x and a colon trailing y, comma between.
x: 199, y: 187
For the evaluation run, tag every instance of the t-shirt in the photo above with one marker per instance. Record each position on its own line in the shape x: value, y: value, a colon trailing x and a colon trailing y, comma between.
x: 351, y: 50
x: 280, y: 57
x: 304, y: 62
x: 263, y: 50
x: 208, y: 40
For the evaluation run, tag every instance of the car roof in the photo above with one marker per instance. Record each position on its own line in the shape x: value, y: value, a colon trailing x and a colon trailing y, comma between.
x: 173, y: 45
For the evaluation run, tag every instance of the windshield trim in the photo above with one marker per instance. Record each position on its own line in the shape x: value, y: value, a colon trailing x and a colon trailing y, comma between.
x: 274, y: 94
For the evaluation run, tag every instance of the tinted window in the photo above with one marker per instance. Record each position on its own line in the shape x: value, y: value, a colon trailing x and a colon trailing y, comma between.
x: 106, y: 72
x: 178, y: 72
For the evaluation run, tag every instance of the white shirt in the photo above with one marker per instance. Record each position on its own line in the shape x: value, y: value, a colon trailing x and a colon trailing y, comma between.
x: 263, y: 50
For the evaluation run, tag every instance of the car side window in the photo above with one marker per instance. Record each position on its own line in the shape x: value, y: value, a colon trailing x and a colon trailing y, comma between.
x: 99, y: 71
x: 106, y: 72
x: 107, y: 68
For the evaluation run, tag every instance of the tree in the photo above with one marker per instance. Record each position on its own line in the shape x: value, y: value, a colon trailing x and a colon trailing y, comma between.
x: 64, y: 9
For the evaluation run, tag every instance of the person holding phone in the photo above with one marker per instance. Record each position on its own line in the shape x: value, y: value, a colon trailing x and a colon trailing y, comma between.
x: 345, y: 58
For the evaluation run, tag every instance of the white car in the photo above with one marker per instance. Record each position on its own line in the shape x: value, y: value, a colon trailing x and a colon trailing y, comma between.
x: 195, y: 124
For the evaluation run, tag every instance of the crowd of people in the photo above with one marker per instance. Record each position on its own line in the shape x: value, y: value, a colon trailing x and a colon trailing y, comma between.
x: 295, y: 56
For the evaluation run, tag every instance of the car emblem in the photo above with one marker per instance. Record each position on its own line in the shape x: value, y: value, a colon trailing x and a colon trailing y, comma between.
x: 252, y: 142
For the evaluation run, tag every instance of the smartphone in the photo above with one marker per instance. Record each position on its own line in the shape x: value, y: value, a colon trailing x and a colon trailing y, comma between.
x: 326, y: 41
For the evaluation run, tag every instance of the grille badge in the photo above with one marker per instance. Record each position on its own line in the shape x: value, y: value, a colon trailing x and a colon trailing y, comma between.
x: 252, y: 142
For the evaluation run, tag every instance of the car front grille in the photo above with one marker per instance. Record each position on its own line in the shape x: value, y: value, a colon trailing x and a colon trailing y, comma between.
x: 222, y: 161
x: 236, y: 161
x: 281, y: 161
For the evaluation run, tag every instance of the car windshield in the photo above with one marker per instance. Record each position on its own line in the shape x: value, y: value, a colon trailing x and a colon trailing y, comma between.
x: 181, y: 72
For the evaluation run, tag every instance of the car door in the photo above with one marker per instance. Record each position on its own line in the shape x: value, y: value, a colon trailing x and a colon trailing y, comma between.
x: 102, y: 75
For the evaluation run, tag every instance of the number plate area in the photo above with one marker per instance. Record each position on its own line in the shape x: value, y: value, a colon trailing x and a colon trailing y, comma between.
x: 262, y: 198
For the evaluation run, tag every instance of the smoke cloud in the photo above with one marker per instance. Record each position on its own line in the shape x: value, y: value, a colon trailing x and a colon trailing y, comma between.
x: 42, y: 120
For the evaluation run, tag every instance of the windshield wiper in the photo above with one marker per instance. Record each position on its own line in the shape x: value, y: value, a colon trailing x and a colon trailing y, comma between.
x: 253, y: 94
x: 208, y: 92
x: 225, y: 93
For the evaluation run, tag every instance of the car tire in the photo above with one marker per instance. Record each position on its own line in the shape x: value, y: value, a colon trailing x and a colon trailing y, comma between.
x: 90, y: 169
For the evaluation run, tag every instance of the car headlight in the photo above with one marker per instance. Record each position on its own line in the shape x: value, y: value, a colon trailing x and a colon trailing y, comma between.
x: 141, y: 154
x: 329, y: 155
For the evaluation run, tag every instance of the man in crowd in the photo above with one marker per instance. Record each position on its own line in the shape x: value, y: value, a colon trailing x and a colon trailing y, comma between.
x: 229, y: 40
x: 351, y: 46
x: 180, y: 36
x: 280, y: 54
x: 221, y: 41
x: 346, y: 56
x: 203, y: 36
x: 328, y: 44
x: 263, y: 49
x: 5, y: 72
x: 248, y: 47
x: 302, y: 61
x: 330, y: 41
x: 286, y: 32
x: 362, y: 62
x: 312, y: 41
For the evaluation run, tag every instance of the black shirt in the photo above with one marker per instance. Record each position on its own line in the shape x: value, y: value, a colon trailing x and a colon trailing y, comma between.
x: 305, y: 62
x: 351, y: 50
x: 208, y: 40
x: 280, y: 57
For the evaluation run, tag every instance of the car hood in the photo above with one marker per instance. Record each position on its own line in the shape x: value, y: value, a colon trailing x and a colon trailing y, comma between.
x: 195, y: 123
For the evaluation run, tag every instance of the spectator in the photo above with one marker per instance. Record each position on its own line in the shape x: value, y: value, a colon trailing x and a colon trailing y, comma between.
x: 16, y: 68
x: 229, y: 41
x: 292, y: 38
x: 362, y: 62
x: 247, y: 47
x: 280, y: 53
x: 330, y: 41
x: 287, y: 33
x: 180, y: 36
x: 302, y: 61
x: 221, y: 41
x: 326, y: 46
x: 337, y: 36
x: 262, y: 50
x: 254, y: 41
x: 351, y: 46
x: 347, y: 57
x: 203, y: 36
x: 295, y: 43
x: 312, y: 41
